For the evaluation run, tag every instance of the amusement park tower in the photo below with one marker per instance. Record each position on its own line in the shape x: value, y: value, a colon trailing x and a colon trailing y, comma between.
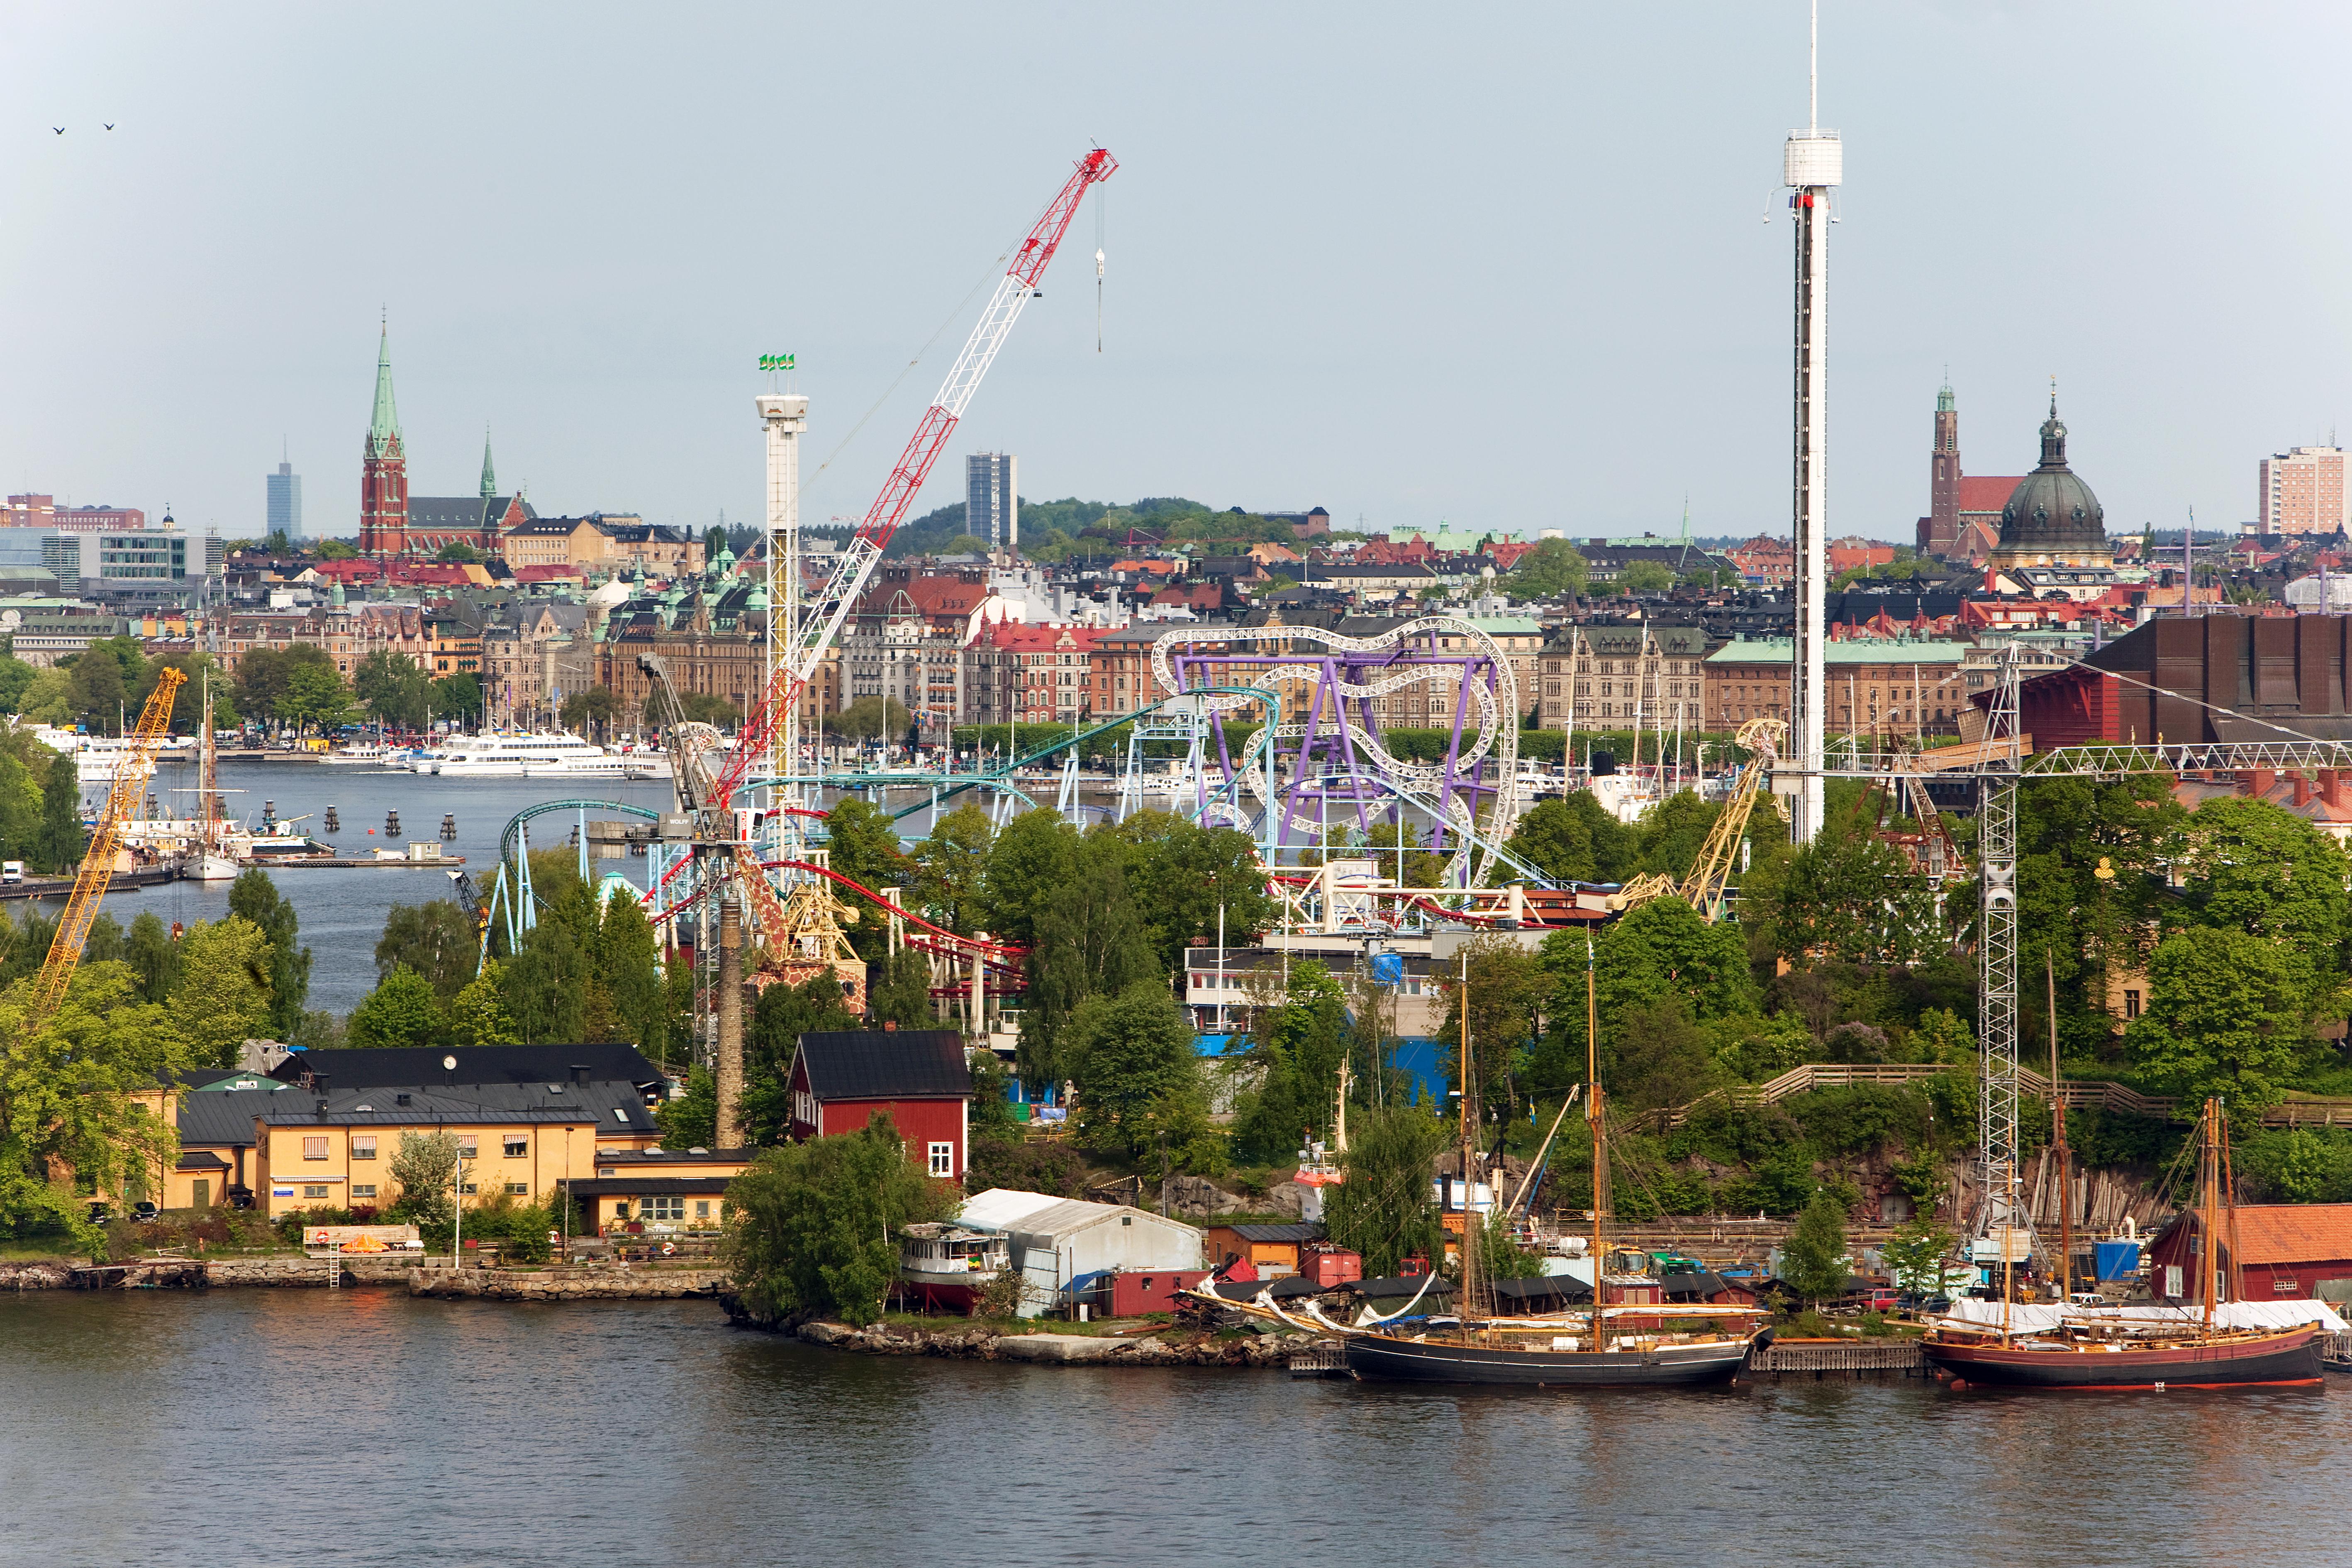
x: 783, y: 416
x: 1812, y: 163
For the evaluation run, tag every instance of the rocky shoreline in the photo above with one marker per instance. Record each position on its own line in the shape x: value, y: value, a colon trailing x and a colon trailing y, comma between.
x: 1175, y: 1345
x: 560, y: 1283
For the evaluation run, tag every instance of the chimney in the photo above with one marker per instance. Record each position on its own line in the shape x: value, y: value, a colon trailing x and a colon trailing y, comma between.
x: 2331, y: 789
x: 2301, y: 790
x: 2256, y: 781
x: 579, y: 1072
x: 889, y: 1024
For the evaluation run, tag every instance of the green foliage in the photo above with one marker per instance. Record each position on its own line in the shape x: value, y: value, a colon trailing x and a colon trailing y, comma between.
x: 1131, y: 1061
x: 59, y: 843
x: 402, y: 1011
x: 15, y: 675
x: 1508, y: 987
x: 458, y: 695
x: 478, y: 1015
x: 254, y: 897
x: 264, y: 676
x: 395, y: 690
x: 1658, y: 951
x: 71, y: 1100
x: 1028, y: 865
x: 2226, y: 1015
x: 873, y: 718
x: 1299, y: 1048
x: 223, y: 997
x: 951, y: 869
x: 1553, y: 568
x: 315, y: 697
x: 711, y: 708
x: 101, y: 686
x: 425, y: 1167
x: 591, y: 709
x: 20, y: 804
x: 1386, y: 1208
x: 1645, y: 576
x: 691, y: 1121
x: 1182, y: 874
x: 898, y: 990
x: 188, y: 703
x: 1090, y: 941
x: 1021, y: 1165
x: 1500, y: 1254
x: 434, y: 940
x: 991, y: 1114
x: 459, y: 552
x: 1919, y: 1257
x: 1577, y: 839
x: 1852, y: 896
x: 1813, y: 1262
x: 812, y: 1223
x: 336, y: 550
x: 628, y: 975
x: 772, y: 1032
x: 864, y: 843
x: 153, y: 958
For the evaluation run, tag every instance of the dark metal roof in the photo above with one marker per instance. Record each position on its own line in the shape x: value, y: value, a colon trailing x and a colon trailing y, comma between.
x: 887, y: 1064
x: 615, y: 1107
x: 408, y: 1067
x: 651, y: 1187
x: 678, y: 1156
x: 1399, y: 1285
x: 224, y: 1118
x: 200, y: 1160
x: 1275, y: 1232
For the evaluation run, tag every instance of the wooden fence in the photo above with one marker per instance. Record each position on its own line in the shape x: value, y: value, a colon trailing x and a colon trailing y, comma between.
x: 2078, y: 1093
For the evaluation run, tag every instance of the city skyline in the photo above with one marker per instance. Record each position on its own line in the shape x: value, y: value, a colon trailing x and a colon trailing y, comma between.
x: 1278, y: 245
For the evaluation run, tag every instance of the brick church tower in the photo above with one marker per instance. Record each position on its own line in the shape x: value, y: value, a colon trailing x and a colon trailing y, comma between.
x: 383, y: 470
x: 1939, y: 530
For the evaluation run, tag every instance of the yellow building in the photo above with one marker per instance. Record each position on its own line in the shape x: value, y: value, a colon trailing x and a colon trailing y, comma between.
x: 660, y: 1191
x: 520, y: 1140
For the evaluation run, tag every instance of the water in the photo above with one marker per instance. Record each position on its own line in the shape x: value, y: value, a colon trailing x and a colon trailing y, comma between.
x: 342, y: 911
x: 282, y: 1426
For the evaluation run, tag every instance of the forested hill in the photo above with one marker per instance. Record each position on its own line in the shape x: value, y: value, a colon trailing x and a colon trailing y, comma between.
x: 1056, y: 530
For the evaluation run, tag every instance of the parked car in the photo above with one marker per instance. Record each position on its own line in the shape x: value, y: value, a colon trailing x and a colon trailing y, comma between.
x: 99, y: 1213
x: 144, y: 1213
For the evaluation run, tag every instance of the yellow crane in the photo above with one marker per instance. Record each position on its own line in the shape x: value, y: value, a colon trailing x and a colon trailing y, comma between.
x: 1703, y: 888
x: 136, y: 765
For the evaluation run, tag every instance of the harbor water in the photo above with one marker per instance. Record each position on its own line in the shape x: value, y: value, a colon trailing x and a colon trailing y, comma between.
x: 277, y: 1427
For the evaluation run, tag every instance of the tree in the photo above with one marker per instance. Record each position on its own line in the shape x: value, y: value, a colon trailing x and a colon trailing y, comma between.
x: 594, y: 707
x: 1577, y: 839
x: 1919, y: 1257
x: 254, y: 897
x: 425, y: 1167
x: 458, y: 696
x: 1673, y: 831
x: 1386, y: 1209
x: 1182, y: 874
x: 873, y: 718
x: 59, y: 844
x: 1814, y: 1260
x: 459, y: 552
x: 1508, y: 987
x: 550, y: 981
x: 478, y: 1016
x: 951, y: 865
x: 263, y: 675
x: 628, y: 966
x: 1090, y: 941
x: 401, y: 1011
x: 99, y: 694
x: 76, y: 1096
x: 153, y: 958
x: 314, y: 697
x: 1554, y: 566
x: 223, y: 997
x: 1127, y: 1053
x: 20, y: 808
x: 188, y: 703
x: 336, y: 550
x: 15, y: 675
x: 711, y: 708
x: 1645, y: 576
x: 714, y: 545
x: 814, y: 1233
x: 865, y: 849
x: 772, y: 1034
x: 435, y: 940
x: 899, y: 991
x: 1028, y: 866
x: 1300, y: 1046
x: 2270, y: 873
x: 393, y: 689
x: 2226, y: 1015
x: 1852, y: 896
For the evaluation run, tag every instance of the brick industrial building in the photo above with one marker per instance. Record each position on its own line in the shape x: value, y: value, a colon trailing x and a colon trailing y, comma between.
x: 2203, y: 679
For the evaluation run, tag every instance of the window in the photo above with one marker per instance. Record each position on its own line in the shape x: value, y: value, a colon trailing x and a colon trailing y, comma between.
x: 314, y: 1192
x: 943, y: 1159
x: 365, y: 1190
x: 468, y: 1189
x: 314, y: 1149
x: 519, y: 1189
x: 364, y: 1146
x: 661, y: 1208
x: 701, y: 1209
x: 468, y: 1146
x: 620, y: 1113
x: 518, y: 1148
x: 2131, y: 1004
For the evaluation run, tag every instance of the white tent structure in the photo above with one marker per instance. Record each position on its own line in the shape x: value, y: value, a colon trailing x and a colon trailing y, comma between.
x: 1065, y: 1249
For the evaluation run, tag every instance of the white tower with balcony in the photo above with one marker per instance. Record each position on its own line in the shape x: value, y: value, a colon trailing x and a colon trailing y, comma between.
x: 1812, y: 165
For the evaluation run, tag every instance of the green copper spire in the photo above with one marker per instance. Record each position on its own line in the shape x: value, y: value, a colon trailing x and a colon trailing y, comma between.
x: 489, y: 476
x: 385, y: 429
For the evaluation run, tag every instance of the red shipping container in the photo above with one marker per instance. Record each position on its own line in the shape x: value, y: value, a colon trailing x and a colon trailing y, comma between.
x: 1135, y: 1291
x: 1330, y: 1266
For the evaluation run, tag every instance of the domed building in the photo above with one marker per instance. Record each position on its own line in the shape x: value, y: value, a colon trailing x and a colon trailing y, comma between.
x: 2053, y: 520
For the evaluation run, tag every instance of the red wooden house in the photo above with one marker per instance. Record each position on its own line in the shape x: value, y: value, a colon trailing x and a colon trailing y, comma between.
x: 917, y: 1077
x: 2285, y: 1250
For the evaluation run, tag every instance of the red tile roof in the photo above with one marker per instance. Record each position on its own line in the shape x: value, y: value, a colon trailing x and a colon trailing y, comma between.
x: 2294, y: 1232
x: 1988, y: 493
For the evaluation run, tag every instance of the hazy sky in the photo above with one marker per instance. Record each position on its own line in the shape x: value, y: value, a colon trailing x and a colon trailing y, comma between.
x: 1514, y: 267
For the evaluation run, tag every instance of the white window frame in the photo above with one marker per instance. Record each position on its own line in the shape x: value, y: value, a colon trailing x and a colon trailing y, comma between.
x: 942, y: 1159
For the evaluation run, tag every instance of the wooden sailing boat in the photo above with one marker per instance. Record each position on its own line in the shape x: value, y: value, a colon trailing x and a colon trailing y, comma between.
x: 2143, y: 1347
x: 1548, y: 1350
x: 212, y: 861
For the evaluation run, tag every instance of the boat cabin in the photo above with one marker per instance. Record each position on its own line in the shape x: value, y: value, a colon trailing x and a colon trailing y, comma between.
x: 946, y: 1265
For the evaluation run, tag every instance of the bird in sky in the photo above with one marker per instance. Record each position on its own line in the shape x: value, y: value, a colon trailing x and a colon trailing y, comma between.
x: 58, y: 128
x: 109, y: 125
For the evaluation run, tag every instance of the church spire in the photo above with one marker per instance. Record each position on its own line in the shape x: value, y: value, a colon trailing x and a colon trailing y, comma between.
x: 384, y: 430
x: 490, y: 476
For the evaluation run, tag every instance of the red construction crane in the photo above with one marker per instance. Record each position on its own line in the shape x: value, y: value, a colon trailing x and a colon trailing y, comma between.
x: 855, y: 565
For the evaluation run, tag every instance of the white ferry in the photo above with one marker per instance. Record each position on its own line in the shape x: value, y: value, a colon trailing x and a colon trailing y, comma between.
x: 369, y: 754
x: 536, y: 756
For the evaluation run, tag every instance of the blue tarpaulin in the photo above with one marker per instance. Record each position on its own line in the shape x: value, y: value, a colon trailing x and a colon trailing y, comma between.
x: 2118, y: 1259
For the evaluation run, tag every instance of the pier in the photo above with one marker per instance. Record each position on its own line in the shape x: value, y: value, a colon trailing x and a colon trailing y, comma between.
x: 1820, y: 1358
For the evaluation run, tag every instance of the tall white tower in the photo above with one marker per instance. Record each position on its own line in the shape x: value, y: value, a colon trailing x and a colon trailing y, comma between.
x: 1812, y: 163
x: 784, y: 415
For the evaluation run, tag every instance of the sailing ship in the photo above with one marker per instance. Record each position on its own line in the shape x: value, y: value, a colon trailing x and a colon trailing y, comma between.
x: 1621, y: 1340
x: 2062, y: 1346
x: 213, y: 863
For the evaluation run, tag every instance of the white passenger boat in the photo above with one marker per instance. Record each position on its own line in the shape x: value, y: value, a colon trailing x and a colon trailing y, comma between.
x: 541, y: 756
x: 368, y: 754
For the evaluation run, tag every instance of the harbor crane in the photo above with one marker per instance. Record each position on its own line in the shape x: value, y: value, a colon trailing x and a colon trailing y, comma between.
x: 136, y: 765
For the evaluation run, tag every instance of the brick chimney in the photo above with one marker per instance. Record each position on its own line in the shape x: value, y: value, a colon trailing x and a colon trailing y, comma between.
x: 2257, y: 782
x: 2301, y: 790
x: 2331, y: 789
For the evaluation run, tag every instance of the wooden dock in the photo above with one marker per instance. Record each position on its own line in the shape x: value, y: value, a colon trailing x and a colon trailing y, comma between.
x: 1820, y: 1358
x: 1324, y: 1358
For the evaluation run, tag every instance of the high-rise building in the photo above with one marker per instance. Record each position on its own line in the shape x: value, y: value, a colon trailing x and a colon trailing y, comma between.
x: 383, y: 468
x: 991, y: 499
x: 286, y: 502
x: 2303, y: 491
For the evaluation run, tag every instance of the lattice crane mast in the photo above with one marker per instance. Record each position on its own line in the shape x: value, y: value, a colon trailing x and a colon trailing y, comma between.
x: 1703, y: 888
x: 809, y: 641
x: 136, y: 765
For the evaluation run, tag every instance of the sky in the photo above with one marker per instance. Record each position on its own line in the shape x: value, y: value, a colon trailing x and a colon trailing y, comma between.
x: 1516, y: 267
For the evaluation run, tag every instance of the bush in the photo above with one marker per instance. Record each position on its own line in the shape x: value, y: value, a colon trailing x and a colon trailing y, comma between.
x: 290, y: 1226
x: 1025, y: 1166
